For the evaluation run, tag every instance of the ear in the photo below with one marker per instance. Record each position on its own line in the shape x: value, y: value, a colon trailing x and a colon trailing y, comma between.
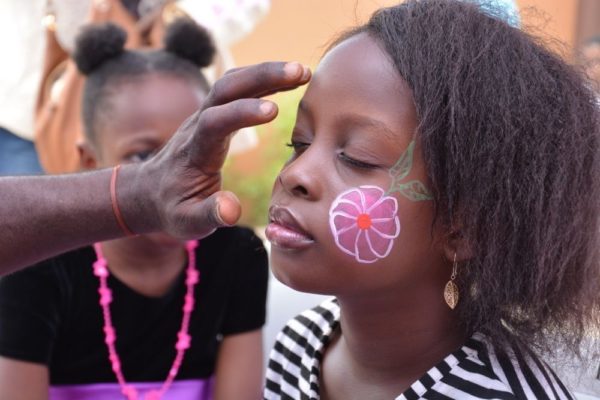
x: 88, y: 159
x: 455, y: 244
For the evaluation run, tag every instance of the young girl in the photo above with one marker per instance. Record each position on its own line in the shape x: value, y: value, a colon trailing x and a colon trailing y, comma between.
x: 444, y: 188
x: 146, y: 317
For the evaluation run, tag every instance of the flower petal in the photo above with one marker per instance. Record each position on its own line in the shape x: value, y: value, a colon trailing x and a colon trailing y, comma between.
x: 346, y: 240
x: 346, y: 206
x: 364, y: 254
x: 380, y: 246
x: 372, y: 195
x: 385, y: 207
x: 341, y: 220
x: 388, y: 228
x: 354, y: 196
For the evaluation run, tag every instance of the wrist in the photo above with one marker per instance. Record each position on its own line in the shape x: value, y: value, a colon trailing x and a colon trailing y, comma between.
x: 136, y: 199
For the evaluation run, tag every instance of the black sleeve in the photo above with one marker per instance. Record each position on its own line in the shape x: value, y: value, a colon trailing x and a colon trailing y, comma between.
x: 246, y: 307
x: 29, y: 313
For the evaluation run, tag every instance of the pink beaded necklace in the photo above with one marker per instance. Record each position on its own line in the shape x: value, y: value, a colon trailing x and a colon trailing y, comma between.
x: 110, y: 335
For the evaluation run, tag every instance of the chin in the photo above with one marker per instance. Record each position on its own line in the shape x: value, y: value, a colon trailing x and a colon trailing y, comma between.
x: 300, y: 276
x: 164, y: 240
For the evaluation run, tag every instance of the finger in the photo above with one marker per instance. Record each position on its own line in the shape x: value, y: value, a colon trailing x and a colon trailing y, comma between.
x: 218, y: 210
x: 229, y: 209
x: 209, y: 144
x: 235, y: 69
x: 256, y: 81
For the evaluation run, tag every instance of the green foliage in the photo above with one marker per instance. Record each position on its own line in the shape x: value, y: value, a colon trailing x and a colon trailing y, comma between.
x: 250, y: 176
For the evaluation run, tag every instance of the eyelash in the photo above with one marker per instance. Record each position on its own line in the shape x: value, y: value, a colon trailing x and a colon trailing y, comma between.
x: 297, y: 146
x: 300, y: 146
x: 356, y: 163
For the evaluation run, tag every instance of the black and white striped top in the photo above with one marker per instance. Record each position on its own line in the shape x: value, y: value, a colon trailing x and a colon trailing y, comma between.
x: 475, y: 371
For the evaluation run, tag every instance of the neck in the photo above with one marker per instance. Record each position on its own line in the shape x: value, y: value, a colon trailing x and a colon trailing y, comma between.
x: 144, y: 266
x: 398, y: 336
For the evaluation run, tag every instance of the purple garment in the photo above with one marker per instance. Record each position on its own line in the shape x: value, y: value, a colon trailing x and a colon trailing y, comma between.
x: 197, y: 389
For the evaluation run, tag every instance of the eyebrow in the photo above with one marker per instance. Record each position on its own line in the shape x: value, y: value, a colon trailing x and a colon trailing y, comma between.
x: 368, y: 122
x: 358, y: 120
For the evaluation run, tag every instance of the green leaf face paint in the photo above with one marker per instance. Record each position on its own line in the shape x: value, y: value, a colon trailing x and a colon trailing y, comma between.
x: 413, y: 190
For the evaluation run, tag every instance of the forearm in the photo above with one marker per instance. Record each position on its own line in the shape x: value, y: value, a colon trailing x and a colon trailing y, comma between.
x: 239, y: 370
x: 47, y: 215
x: 23, y: 380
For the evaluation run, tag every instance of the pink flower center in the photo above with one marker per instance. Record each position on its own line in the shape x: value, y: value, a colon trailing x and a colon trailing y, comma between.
x: 364, y: 221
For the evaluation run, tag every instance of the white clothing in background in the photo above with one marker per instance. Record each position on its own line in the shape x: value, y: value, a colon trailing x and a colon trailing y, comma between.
x: 22, y: 46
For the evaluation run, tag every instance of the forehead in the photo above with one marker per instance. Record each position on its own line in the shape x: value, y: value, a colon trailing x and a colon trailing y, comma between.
x: 155, y: 96
x: 153, y: 100
x: 149, y: 107
x: 357, y: 76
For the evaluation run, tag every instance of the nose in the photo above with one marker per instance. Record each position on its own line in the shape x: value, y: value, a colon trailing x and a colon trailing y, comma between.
x: 301, y: 176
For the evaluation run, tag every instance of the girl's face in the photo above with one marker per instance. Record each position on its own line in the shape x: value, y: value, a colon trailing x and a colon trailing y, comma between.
x: 354, y: 122
x: 145, y: 112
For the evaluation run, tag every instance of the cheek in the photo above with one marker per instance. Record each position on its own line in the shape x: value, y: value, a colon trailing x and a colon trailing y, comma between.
x: 364, y: 223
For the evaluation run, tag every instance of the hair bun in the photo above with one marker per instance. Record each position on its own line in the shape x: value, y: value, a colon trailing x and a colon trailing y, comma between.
x: 96, y: 44
x: 190, y: 41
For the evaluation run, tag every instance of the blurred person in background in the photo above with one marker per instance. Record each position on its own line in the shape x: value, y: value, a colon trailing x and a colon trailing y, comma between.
x: 26, y: 27
x: 55, y: 334
x: 22, y: 55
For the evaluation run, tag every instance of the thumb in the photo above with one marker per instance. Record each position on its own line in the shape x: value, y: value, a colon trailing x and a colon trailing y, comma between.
x: 228, y: 209
x: 218, y: 210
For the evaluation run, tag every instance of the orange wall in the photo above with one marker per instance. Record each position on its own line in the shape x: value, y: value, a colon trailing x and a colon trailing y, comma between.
x: 301, y: 29
x: 556, y: 19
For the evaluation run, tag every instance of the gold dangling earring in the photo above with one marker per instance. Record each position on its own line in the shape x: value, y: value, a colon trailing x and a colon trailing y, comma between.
x: 49, y: 19
x: 451, y: 290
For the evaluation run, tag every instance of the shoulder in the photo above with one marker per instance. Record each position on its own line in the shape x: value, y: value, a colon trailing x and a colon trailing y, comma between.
x: 505, y: 372
x: 294, y: 361
x: 51, y: 271
x: 313, y: 326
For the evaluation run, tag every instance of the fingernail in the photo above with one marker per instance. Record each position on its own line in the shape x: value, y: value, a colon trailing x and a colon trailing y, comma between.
x: 218, y: 216
x: 306, y: 74
x: 292, y: 69
x: 267, y: 107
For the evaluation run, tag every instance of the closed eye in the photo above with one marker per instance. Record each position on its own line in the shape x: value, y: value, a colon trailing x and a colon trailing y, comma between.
x: 356, y: 163
x: 298, y: 147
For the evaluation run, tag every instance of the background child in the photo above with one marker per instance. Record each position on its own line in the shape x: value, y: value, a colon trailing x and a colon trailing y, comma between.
x: 54, y: 333
x: 444, y: 188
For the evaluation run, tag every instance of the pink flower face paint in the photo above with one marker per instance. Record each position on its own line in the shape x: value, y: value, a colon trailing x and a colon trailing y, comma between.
x: 364, y: 220
x: 364, y: 223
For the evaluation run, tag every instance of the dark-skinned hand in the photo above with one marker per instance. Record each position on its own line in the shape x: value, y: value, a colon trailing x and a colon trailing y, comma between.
x: 184, y: 179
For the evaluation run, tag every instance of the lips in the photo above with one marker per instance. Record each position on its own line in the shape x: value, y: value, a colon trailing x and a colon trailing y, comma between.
x: 284, y: 230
